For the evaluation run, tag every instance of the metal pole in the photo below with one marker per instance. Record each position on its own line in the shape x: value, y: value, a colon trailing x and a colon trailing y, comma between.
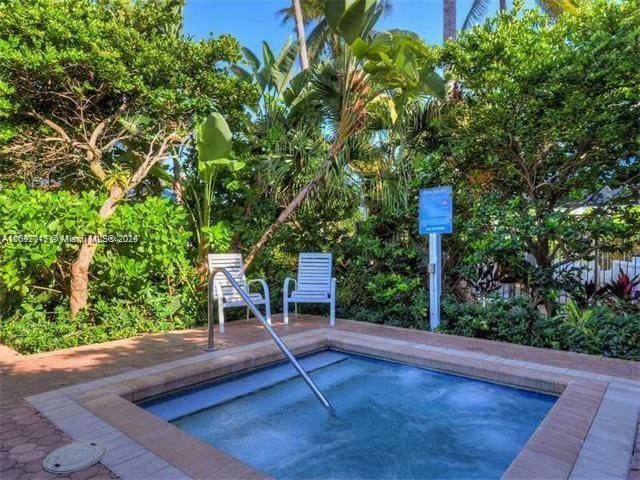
x: 319, y: 395
x: 210, y: 317
x: 435, y: 279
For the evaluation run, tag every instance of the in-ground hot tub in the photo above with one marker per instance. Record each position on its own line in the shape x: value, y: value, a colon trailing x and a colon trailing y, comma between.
x: 392, y: 420
x: 590, y: 429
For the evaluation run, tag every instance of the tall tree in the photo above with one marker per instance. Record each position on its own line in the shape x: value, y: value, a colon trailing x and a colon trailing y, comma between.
x: 302, y: 41
x: 321, y: 39
x: 449, y: 20
x: 347, y: 110
x: 98, y: 94
x: 347, y: 88
x: 538, y: 138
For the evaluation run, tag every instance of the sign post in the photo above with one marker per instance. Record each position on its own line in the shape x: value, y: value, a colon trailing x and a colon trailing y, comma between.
x: 435, y: 217
x: 435, y: 279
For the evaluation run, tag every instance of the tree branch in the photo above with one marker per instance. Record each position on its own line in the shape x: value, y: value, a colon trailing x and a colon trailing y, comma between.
x: 51, y: 124
x: 152, y: 158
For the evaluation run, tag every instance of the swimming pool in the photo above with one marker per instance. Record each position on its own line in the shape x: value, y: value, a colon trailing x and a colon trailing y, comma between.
x: 392, y: 421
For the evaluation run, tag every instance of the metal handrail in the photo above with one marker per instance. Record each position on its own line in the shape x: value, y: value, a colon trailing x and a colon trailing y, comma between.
x: 210, y: 345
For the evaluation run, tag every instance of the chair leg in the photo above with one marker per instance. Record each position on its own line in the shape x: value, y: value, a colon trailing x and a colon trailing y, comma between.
x: 332, y: 312
x: 221, y: 316
x: 267, y: 311
x: 285, y: 309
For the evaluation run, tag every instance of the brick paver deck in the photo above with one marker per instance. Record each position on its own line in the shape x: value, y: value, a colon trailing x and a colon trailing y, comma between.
x: 26, y: 437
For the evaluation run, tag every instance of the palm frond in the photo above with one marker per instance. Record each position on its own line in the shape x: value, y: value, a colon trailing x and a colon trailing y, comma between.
x: 312, y: 10
x: 477, y: 12
x: 268, y: 58
x: 251, y: 58
x: 241, y: 72
x: 317, y: 40
x: 554, y: 8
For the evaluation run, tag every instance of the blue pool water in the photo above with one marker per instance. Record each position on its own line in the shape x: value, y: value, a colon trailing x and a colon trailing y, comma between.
x: 393, y: 421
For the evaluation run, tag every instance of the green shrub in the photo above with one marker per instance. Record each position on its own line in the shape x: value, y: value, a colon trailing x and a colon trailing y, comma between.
x: 158, y: 258
x: 508, y: 321
x: 612, y: 330
x: 33, y: 224
x: 380, y: 274
x: 36, y: 327
x: 142, y: 278
x: 388, y: 298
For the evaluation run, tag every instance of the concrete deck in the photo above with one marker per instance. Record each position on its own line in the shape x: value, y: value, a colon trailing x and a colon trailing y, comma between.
x: 26, y: 436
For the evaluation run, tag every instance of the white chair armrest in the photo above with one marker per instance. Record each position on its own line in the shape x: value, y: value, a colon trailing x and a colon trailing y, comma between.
x: 265, y: 287
x: 286, y: 285
x: 217, y: 292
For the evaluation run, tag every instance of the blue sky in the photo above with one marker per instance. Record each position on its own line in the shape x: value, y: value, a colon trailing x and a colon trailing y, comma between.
x: 252, y: 21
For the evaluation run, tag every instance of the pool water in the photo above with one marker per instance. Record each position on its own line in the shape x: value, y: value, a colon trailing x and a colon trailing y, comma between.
x: 392, y: 421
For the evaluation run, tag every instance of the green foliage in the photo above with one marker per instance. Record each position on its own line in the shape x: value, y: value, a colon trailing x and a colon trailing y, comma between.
x: 149, y: 250
x: 112, y: 73
x: 351, y: 19
x: 600, y: 329
x: 512, y: 321
x: 381, y: 275
x: 214, y: 143
x: 36, y: 328
x: 399, y: 59
x: 144, y: 277
x: 545, y: 127
x: 214, y: 159
x: 129, y: 47
x: 40, y: 233
x: 141, y: 245
x: 218, y: 236
x: 274, y: 73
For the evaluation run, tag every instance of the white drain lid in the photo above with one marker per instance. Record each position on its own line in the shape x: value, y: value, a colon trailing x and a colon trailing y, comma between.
x: 73, y: 457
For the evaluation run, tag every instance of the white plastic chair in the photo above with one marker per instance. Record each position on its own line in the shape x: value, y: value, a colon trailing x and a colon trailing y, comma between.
x: 314, y: 285
x: 227, y: 296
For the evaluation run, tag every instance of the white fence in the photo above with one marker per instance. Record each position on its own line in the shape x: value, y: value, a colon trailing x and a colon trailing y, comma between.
x: 603, y: 269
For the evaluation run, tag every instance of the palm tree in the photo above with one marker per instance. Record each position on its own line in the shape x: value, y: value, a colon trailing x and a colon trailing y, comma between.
x: 304, y: 58
x: 322, y: 39
x: 344, y: 93
x: 347, y: 88
x: 478, y: 9
x: 347, y: 96
x: 274, y: 73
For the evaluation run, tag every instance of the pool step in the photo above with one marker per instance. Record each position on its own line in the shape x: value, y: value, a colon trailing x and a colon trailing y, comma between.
x: 173, y: 408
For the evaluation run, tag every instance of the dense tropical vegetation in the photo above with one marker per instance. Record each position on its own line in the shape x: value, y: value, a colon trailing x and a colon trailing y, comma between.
x: 129, y: 150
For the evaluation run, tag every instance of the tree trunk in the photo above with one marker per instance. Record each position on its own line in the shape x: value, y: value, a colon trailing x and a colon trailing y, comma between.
x: 80, y: 277
x: 449, y: 33
x: 503, y: 5
x: 80, y: 269
x: 302, y: 42
x: 449, y: 19
x: 302, y: 195
x: 79, y: 288
x: 177, y: 182
x: 286, y: 213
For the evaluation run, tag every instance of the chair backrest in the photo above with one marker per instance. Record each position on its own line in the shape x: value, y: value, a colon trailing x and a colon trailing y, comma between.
x: 314, y: 272
x: 233, y: 263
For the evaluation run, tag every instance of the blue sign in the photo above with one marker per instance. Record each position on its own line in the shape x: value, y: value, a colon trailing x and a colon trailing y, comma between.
x: 435, y: 214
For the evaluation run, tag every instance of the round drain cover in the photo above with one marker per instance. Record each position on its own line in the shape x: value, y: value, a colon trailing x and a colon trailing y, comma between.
x: 73, y: 457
